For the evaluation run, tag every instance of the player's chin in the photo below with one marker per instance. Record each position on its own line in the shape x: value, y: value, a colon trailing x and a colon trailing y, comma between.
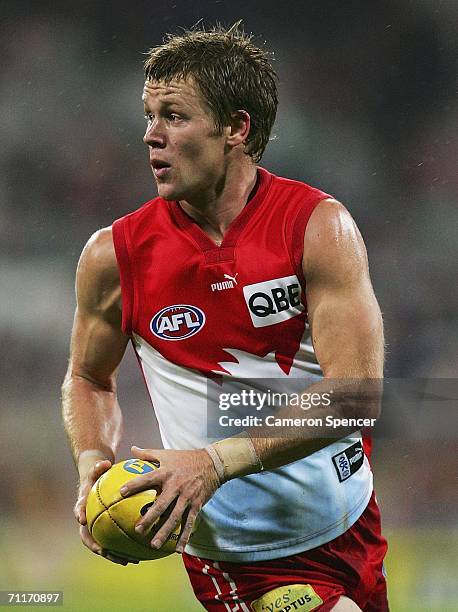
x: 167, y: 191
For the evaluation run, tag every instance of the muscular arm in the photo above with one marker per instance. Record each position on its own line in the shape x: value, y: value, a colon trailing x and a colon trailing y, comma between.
x: 345, y: 318
x: 91, y: 413
x: 346, y: 325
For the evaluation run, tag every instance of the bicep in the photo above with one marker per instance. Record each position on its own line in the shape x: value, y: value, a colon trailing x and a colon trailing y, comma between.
x: 97, y: 347
x: 98, y: 343
x: 344, y: 315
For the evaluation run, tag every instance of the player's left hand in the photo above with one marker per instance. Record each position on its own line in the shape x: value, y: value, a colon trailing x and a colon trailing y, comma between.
x: 186, y: 479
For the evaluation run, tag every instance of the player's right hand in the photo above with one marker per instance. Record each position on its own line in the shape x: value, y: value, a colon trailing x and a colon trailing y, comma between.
x: 79, y: 511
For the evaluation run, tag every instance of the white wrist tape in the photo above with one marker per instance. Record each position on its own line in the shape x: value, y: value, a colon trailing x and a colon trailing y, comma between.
x: 219, y: 467
x: 234, y: 457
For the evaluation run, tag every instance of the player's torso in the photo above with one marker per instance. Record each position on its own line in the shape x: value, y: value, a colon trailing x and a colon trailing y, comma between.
x: 198, y: 312
x: 195, y: 299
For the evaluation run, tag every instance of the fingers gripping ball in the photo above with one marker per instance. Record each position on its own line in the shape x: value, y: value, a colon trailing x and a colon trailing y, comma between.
x: 111, y: 518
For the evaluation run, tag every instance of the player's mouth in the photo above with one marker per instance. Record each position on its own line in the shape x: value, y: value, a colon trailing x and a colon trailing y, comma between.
x: 160, y: 167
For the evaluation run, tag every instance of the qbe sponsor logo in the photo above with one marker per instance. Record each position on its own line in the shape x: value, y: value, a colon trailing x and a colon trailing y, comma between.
x: 349, y: 461
x: 274, y: 301
x: 177, y: 322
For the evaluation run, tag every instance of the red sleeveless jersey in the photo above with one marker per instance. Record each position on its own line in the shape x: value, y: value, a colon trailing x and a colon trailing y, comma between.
x: 197, y: 311
x: 159, y: 248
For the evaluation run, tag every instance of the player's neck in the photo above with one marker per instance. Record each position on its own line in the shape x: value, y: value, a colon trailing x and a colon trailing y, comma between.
x: 215, y: 211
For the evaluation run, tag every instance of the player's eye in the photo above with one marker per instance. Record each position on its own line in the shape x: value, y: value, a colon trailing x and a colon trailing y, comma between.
x: 148, y: 117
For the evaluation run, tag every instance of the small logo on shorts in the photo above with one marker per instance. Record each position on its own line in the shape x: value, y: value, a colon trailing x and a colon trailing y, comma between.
x: 349, y: 461
x: 298, y: 597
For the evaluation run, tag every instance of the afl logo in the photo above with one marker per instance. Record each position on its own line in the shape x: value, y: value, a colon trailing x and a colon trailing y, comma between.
x: 177, y: 322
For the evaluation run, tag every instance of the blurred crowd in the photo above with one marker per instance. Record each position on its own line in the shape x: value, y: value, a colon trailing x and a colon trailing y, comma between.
x: 368, y: 112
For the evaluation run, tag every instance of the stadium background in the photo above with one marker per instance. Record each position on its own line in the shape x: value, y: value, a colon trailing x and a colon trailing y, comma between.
x: 368, y: 112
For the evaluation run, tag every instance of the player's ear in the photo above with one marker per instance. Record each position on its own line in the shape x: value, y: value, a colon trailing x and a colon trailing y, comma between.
x: 239, y: 128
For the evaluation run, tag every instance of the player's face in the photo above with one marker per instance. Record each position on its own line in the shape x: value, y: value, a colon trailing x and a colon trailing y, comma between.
x: 186, y: 154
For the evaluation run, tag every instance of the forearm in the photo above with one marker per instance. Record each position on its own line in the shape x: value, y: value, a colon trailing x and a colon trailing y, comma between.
x: 350, y: 401
x: 92, y: 420
x: 347, y: 401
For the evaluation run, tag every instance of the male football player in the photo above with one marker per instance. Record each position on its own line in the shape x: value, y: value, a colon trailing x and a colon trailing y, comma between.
x: 232, y: 271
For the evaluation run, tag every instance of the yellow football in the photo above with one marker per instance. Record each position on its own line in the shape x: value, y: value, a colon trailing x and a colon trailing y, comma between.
x: 111, y: 518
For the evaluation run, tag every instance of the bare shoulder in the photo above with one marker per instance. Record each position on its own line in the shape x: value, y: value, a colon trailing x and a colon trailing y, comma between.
x: 347, y: 329
x: 332, y: 243
x: 97, y: 278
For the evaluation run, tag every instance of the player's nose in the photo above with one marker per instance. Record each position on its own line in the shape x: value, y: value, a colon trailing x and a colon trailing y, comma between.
x: 154, y: 135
